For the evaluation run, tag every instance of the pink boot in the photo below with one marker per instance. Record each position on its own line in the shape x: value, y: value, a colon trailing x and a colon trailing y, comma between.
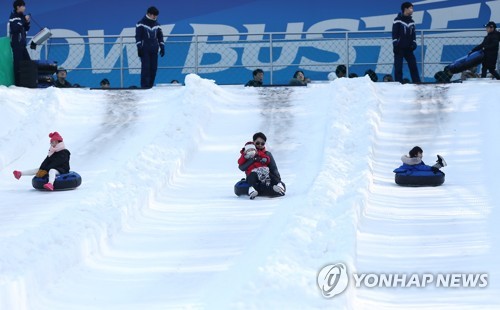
x: 48, y: 186
x: 17, y: 174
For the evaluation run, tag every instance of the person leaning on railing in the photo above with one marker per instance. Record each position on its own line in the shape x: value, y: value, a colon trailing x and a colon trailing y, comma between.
x: 258, y: 77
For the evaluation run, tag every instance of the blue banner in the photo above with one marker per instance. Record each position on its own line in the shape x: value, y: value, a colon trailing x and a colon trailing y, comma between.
x: 79, y: 18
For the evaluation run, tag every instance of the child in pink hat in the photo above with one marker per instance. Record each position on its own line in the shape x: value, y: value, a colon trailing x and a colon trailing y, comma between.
x: 56, y: 162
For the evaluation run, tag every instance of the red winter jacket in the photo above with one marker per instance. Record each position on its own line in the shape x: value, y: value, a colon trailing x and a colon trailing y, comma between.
x: 257, y: 160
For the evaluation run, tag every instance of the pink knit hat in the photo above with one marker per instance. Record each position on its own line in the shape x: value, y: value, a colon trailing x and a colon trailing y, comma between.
x: 55, y: 136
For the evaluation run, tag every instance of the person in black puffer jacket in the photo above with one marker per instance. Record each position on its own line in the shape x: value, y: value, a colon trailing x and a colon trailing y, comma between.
x: 56, y: 162
x: 19, y: 24
x: 404, y: 43
x: 490, y: 48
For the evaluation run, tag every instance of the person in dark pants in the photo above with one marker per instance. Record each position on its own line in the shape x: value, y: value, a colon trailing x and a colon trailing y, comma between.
x: 19, y: 24
x: 404, y: 43
x: 275, y: 186
x: 490, y: 48
x: 149, y: 39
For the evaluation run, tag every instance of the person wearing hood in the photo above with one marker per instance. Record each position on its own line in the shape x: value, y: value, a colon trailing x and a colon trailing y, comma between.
x: 404, y: 43
x: 149, y: 39
x: 19, y: 24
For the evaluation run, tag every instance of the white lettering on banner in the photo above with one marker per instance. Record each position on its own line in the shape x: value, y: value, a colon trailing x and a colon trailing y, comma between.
x: 226, y: 49
x: 228, y: 56
x: 99, y: 61
x: 495, y: 9
x: 102, y: 63
x: 441, y: 17
x: 288, y: 51
x: 76, y: 48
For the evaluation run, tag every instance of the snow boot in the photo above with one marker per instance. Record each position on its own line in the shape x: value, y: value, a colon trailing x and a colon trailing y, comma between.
x: 48, y: 186
x: 252, y: 192
x: 17, y: 174
x: 440, y: 162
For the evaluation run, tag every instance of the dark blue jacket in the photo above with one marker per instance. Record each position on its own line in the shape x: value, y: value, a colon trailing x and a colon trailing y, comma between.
x: 148, y: 35
x: 403, y: 32
x: 18, y: 27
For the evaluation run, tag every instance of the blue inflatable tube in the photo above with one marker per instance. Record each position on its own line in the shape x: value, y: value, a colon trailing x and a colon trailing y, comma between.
x: 65, y: 181
x: 466, y: 62
x: 241, y: 187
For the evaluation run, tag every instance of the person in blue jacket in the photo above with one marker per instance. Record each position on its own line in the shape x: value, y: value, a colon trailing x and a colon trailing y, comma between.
x: 149, y: 39
x: 19, y: 24
x: 404, y: 42
x: 415, y: 162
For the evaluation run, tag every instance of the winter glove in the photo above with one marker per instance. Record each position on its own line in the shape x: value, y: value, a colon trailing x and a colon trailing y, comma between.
x: 263, y: 160
x: 413, y: 46
x: 41, y: 173
x: 139, y: 52
x: 33, y: 45
x: 279, y: 188
x: 162, y: 51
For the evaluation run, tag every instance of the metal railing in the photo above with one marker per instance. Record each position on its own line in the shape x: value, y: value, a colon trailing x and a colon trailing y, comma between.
x: 230, y: 58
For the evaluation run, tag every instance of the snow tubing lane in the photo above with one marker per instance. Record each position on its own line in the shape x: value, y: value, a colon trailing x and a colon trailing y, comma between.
x: 65, y: 181
x: 466, y: 62
x: 419, y: 180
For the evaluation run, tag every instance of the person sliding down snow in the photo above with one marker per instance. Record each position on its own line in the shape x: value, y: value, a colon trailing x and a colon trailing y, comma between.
x: 257, y: 170
x: 264, y: 182
x: 56, y: 162
x: 415, y: 160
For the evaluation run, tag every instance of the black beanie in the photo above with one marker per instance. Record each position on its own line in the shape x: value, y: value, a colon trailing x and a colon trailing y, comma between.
x: 414, y: 151
x: 405, y: 5
x: 259, y: 135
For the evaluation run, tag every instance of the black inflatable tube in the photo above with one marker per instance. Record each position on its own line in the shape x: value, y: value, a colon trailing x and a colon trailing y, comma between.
x: 66, y: 181
x: 411, y: 180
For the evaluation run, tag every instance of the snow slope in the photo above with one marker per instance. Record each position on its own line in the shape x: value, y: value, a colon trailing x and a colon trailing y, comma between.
x: 155, y: 224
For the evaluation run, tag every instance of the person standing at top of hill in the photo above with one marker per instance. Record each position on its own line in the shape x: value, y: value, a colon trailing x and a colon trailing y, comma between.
x: 19, y: 24
x: 149, y: 39
x: 490, y: 48
x: 404, y: 42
